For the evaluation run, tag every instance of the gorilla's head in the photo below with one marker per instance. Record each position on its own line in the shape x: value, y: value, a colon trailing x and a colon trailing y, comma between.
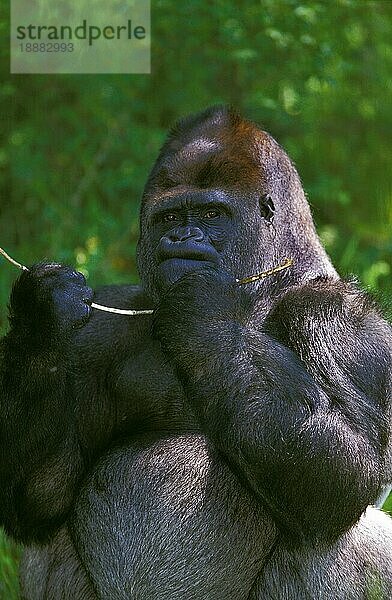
x: 222, y: 191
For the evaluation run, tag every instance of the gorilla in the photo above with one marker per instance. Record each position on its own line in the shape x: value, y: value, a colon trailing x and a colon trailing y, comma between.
x: 230, y: 445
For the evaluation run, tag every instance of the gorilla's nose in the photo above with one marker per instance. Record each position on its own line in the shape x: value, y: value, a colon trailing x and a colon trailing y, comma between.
x: 182, y: 234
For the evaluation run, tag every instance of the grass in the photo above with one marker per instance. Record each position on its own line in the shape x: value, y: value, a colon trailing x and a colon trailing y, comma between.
x: 9, y: 558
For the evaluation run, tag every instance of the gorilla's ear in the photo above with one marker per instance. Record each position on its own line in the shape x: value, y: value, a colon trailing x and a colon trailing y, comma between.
x: 267, y: 208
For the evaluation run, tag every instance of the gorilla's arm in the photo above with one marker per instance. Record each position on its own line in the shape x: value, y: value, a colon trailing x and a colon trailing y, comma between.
x: 57, y: 412
x: 295, y: 401
x: 40, y: 457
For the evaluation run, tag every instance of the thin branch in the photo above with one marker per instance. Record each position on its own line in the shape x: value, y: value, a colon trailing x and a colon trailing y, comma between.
x: 287, y: 263
x: 12, y: 261
x: 119, y: 311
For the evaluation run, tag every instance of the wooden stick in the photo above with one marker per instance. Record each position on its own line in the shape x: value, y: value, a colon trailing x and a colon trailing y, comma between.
x: 12, y: 261
x: 287, y: 263
x: 120, y: 311
x: 117, y: 311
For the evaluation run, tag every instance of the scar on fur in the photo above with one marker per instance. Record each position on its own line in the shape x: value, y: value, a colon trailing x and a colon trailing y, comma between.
x: 119, y: 311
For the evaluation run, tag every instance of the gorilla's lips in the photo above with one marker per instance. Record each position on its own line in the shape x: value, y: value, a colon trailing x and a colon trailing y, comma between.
x: 186, y: 250
x: 179, y: 258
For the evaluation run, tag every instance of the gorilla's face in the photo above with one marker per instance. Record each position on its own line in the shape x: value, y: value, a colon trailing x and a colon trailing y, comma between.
x: 223, y: 192
x: 190, y: 229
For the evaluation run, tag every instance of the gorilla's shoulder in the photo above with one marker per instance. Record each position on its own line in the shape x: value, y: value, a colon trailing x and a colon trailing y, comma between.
x: 328, y: 296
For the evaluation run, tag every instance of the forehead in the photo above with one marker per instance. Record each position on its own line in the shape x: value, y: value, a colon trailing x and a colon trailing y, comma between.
x: 225, y: 146
x: 214, y: 153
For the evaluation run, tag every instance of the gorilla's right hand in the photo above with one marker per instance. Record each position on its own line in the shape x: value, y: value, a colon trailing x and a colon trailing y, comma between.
x: 48, y: 302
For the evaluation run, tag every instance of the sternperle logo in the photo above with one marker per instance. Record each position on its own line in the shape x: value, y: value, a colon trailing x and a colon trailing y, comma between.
x: 80, y: 36
x: 84, y: 31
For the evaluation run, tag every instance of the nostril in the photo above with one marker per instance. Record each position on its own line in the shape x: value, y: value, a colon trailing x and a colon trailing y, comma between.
x: 186, y: 233
x: 198, y: 235
x: 174, y: 236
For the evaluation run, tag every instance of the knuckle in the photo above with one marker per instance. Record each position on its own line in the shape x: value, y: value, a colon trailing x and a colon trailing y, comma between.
x: 88, y: 295
x: 83, y: 317
x: 80, y: 293
x: 56, y: 271
x: 76, y: 277
x: 45, y: 269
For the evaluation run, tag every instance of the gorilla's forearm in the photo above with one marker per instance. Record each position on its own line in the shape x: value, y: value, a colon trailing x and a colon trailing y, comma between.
x: 309, y: 440
x: 40, y: 458
x: 278, y: 431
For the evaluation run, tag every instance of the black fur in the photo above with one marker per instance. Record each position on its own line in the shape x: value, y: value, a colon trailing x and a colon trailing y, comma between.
x: 226, y: 448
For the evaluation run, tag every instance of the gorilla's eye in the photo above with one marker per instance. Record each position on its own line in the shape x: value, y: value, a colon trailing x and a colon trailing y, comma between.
x: 170, y: 217
x: 211, y: 214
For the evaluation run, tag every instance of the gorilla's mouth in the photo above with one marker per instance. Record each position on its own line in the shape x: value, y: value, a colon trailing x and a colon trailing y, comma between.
x: 175, y: 264
x: 177, y: 259
x: 172, y: 269
x: 188, y: 250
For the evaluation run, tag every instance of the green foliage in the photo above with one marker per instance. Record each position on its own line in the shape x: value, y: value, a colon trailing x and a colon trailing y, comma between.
x: 9, y: 556
x: 375, y: 587
x: 388, y: 504
x: 76, y: 150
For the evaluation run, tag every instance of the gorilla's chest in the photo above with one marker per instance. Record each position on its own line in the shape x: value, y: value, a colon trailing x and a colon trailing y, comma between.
x: 149, y: 392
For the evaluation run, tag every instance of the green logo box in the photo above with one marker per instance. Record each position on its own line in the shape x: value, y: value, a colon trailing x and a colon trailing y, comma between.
x: 80, y: 36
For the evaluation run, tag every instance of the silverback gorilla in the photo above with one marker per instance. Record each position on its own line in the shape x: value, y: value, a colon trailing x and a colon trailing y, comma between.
x: 225, y: 448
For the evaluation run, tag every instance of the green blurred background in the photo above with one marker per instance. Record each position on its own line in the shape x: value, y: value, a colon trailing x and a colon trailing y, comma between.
x: 75, y: 150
